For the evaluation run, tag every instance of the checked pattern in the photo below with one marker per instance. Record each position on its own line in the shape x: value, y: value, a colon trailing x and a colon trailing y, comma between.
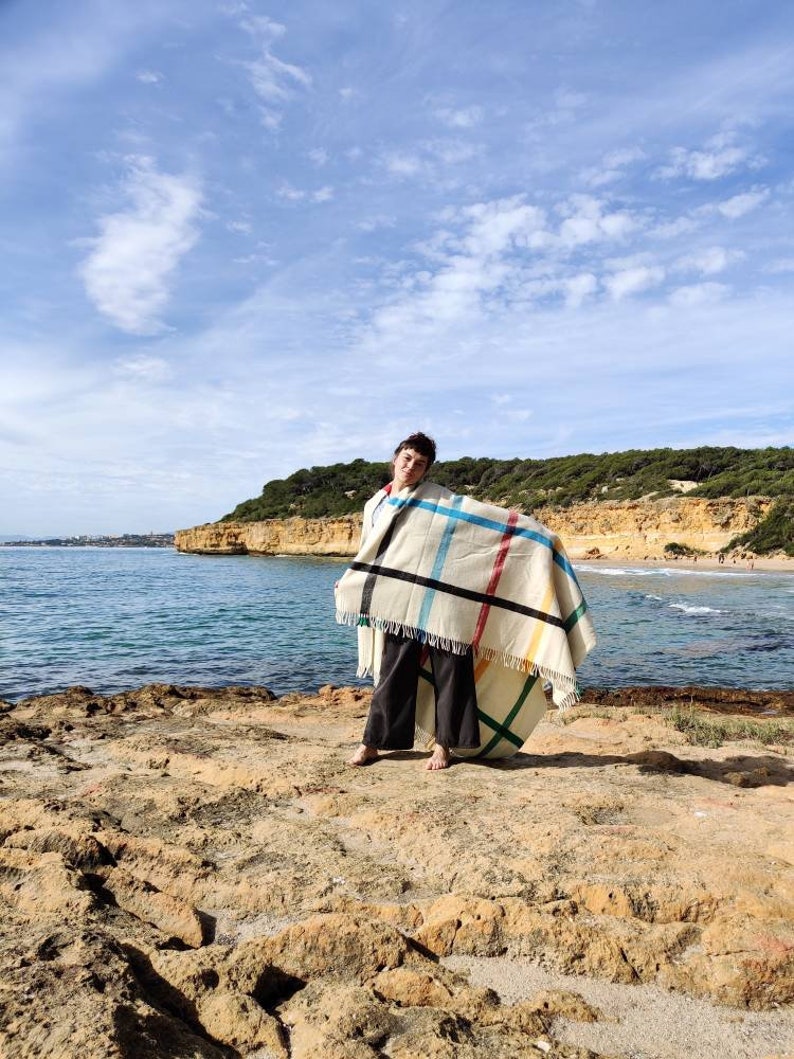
x: 451, y: 571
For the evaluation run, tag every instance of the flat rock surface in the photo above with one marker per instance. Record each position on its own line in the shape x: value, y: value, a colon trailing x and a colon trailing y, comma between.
x: 196, y: 872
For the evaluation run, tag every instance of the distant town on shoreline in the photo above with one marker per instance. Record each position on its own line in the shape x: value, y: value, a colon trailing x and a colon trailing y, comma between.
x: 123, y: 540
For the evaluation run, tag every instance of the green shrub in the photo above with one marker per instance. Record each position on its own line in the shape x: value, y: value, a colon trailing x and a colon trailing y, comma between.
x: 775, y: 532
x: 681, y: 551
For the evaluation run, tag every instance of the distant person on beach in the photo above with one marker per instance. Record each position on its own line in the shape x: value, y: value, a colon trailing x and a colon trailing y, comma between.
x: 391, y: 722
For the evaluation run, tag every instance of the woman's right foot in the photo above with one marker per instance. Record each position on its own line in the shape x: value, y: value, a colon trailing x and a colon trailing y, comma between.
x: 365, y: 755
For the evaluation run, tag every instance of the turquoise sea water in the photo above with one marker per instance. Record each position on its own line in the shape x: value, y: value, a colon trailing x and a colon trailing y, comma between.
x: 117, y: 618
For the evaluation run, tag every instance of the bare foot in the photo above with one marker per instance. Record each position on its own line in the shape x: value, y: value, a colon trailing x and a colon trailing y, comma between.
x: 439, y: 759
x: 365, y: 755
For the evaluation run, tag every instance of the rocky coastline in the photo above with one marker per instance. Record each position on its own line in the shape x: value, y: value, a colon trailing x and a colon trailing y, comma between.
x: 195, y: 872
x: 631, y: 529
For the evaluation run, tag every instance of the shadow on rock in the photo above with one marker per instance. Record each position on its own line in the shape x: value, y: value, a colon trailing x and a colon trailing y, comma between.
x: 739, y: 771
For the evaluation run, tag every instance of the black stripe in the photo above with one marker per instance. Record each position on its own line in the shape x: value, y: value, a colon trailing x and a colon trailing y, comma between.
x: 374, y: 572
x: 369, y: 584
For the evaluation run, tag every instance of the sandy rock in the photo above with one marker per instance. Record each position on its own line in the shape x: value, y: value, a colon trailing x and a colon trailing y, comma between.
x: 172, y: 917
x: 201, y: 874
x: 42, y: 887
x: 565, y: 1004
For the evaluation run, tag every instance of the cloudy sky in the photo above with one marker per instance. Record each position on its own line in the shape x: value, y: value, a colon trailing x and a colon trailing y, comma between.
x: 240, y: 238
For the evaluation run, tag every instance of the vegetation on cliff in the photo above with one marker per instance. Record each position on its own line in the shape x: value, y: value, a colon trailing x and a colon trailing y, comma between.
x: 709, y: 472
x: 773, y: 533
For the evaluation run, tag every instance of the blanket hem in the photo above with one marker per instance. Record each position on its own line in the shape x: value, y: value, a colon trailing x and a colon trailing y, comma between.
x: 565, y: 692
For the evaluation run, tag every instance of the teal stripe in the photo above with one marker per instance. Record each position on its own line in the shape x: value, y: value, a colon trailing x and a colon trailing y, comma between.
x: 438, y: 564
x: 498, y: 527
x: 502, y: 729
x: 476, y: 520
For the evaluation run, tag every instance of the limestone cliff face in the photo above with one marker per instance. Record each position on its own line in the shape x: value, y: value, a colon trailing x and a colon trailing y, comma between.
x: 291, y: 536
x: 641, y: 528
x: 631, y: 529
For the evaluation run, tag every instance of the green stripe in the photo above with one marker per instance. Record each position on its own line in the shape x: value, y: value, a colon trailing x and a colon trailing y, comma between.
x: 502, y: 729
x: 573, y: 618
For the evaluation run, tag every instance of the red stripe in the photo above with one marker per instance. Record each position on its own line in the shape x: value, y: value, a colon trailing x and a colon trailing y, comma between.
x: 496, y: 573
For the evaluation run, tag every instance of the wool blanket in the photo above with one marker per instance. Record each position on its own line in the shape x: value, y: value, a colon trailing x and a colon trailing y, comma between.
x: 454, y: 572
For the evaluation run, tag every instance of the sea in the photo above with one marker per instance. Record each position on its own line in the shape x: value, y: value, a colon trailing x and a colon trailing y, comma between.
x: 115, y: 618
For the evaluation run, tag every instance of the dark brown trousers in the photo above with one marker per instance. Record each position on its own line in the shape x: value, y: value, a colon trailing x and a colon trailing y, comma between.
x: 392, y: 716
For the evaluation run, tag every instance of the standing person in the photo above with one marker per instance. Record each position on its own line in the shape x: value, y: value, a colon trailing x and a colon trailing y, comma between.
x: 392, y: 716
x: 465, y: 612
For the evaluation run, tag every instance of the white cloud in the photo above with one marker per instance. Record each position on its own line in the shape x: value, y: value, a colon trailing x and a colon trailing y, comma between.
x: 633, y: 281
x: 461, y: 117
x: 293, y: 194
x: 290, y: 193
x: 613, y: 167
x: 698, y: 294
x: 719, y: 157
x: 673, y: 229
x: 737, y: 206
x: 578, y: 288
x: 273, y: 80
x: 319, y: 156
x: 127, y: 275
x: 703, y: 165
x: 373, y: 223
x: 145, y: 368
x: 710, y: 261
x: 428, y: 158
x: 780, y: 265
x: 587, y: 222
x: 451, y: 152
x: 496, y: 226
x: 403, y: 163
x: 623, y: 156
x: 149, y: 77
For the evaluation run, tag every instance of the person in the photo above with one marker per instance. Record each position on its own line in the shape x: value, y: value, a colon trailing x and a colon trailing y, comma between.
x: 391, y: 721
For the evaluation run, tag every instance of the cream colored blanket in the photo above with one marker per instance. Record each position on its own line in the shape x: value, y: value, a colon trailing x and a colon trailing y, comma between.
x: 454, y: 572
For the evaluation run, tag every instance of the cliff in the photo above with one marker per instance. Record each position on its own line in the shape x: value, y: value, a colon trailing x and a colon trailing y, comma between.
x: 637, y: 529
x: 291, y: 536
x: 641, y: 528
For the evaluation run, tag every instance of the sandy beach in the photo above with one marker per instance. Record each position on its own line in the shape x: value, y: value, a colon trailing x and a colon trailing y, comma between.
x: 191, y: 872
x: 778, y: 564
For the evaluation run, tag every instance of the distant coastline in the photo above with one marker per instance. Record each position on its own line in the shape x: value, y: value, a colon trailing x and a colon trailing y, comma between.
x: 124, y: 540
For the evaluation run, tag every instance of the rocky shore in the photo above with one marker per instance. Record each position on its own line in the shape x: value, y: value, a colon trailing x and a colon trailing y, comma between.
x: 631, y: 529
x: 194, y: 872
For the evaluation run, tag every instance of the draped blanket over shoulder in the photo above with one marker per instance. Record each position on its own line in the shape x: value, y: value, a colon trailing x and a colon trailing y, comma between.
x: 456, y: 573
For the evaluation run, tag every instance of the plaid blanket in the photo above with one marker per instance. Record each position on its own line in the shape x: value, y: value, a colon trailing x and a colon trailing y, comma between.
x: 509, y: 705
x: 454, y: 572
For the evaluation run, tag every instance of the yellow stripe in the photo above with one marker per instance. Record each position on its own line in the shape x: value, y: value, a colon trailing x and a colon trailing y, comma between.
x: 540, y: 626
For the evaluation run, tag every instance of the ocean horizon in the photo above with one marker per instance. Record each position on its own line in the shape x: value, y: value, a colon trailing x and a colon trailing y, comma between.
x: 116, y: 618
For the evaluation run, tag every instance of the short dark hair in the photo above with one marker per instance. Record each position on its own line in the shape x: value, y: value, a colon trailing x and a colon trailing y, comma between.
x: 420, y: 443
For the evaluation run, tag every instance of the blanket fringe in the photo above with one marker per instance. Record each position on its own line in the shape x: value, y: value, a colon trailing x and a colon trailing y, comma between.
x: 565, y: 692
x: 399, y: 629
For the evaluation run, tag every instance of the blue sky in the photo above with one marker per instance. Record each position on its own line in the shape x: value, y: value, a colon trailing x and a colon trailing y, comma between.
x: 241, y: 238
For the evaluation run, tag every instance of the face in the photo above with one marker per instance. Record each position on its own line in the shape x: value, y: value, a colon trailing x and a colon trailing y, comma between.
x: 410, y: 467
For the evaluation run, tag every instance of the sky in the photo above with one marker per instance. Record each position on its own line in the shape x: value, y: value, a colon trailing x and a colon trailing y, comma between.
x: 242, y: 238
